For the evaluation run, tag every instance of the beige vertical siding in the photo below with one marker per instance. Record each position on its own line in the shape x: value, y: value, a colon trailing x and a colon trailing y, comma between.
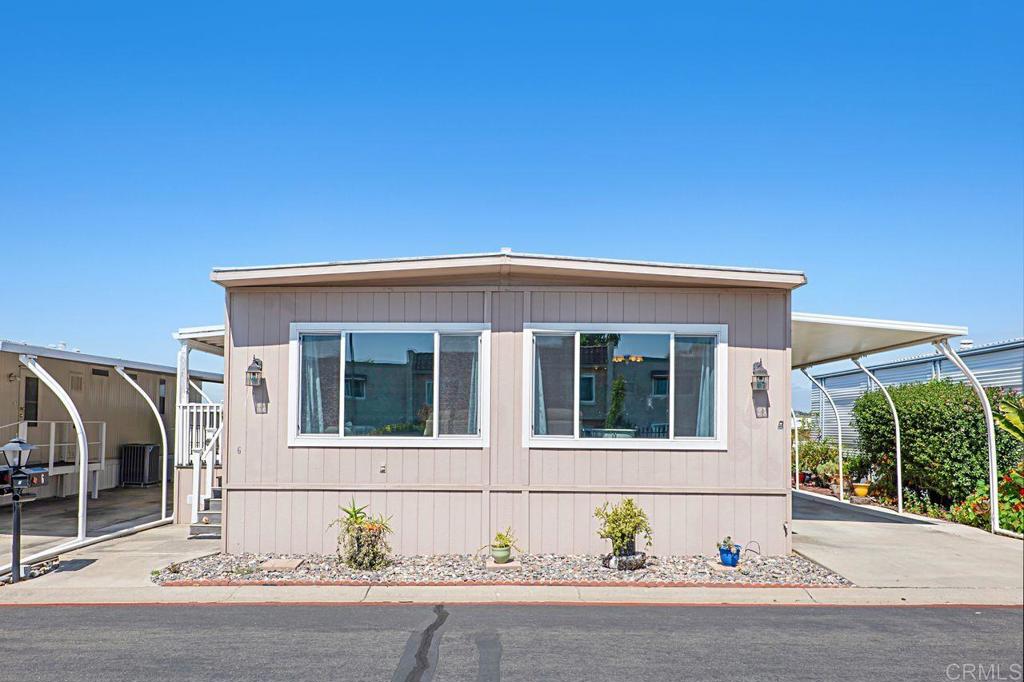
x: 109, y: 399
x: 283, y: 499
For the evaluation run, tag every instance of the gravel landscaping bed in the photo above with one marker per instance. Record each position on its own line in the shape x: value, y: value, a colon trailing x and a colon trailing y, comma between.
x: 455, y: 569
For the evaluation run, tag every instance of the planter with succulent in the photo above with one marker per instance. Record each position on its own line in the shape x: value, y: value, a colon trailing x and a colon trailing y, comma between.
x: 502, y: 545
x: 362, y: 540
x: 621, y: 524
x: 729, y: 551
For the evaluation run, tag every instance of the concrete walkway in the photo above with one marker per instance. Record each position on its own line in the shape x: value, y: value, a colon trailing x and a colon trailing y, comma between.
x: 876, y: 549
x: 119, y: 572
x: 53, y: 521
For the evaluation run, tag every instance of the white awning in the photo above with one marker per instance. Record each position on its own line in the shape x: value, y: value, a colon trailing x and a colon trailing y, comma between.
x: 209, y: 339
x: 818, y: 339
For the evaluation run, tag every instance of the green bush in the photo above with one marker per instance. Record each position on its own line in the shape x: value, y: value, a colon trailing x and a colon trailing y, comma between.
x: 942, y: 431
x: 814, y: 453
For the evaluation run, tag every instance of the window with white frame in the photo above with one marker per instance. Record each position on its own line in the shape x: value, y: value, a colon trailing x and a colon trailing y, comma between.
x: 626, y: 386
x: 361, y: 384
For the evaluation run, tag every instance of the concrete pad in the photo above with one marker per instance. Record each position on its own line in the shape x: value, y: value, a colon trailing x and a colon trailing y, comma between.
x: 882, y: 549
x: 281, y: 564
x: 511, y: 564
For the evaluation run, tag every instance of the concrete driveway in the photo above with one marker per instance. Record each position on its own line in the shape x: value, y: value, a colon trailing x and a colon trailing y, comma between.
x: 877, y: 549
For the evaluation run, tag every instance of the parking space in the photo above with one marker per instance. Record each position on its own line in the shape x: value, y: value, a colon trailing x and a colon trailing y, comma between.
x: 878, y: 549
x: 51, y: 521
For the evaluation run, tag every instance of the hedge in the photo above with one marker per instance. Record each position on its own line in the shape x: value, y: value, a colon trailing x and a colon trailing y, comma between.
x: 942, y: 432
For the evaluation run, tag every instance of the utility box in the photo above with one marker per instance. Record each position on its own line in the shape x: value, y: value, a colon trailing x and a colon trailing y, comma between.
x: 140, y: 464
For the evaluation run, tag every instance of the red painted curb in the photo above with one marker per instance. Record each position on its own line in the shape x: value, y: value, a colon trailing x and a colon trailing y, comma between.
x: 511, y: 603
x: 472, y: 583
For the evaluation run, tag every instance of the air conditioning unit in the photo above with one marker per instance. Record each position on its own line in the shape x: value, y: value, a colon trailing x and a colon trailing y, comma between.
x: 140, y: 464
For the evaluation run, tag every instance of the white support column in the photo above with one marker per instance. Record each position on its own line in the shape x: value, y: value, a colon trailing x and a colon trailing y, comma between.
x: 796, y: 447
x: 163, y: 438
x: 896, y: 421
x: 839, y: 426
x: 990, y: 431
x: 33, y: 365
x: 181, y: 399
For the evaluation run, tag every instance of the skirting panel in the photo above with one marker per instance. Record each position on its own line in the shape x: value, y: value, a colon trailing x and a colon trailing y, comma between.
x: 460, y: 522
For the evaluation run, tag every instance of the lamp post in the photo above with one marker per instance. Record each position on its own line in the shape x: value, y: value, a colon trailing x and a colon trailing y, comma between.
x: 17, y: 453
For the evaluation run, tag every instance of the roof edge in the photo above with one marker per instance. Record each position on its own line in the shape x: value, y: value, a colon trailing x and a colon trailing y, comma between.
x: 7, y: 346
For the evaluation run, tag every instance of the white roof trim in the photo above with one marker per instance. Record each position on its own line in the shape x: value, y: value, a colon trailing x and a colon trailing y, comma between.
x: 818, y: 339
x: 503, y: 263
x: 102, y: 360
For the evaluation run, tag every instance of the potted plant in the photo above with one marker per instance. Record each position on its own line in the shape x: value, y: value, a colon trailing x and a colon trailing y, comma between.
x: 860, y: 489
x: 621, y: 524
x: 362, y: 540
x: 728, y: 551
x: 502, y: 545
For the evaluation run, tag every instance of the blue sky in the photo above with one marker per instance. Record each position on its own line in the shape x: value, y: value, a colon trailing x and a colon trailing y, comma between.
x: 879, y: 147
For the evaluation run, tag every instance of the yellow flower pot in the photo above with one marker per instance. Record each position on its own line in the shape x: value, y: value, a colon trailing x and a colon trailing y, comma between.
x: 860, y: 489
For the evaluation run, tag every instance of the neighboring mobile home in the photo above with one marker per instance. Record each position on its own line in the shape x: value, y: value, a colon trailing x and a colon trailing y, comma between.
x: 999, y: 364
x: 114, y: 414
x: 464, y: 394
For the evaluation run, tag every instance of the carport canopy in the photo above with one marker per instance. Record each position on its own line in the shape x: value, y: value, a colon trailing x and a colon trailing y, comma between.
x: 818, y: 339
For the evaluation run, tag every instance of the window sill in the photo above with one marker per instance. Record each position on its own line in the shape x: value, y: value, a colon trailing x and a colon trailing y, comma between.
x: 410, y: 443
x: 569, y: 443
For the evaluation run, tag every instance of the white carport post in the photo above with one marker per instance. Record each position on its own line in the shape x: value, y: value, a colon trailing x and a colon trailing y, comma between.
x: 163, y: 438
x: 33, y: 365
x: 839, y: 426
x: 796, y: 447
x: 990, y: 430
x: 896, y: 421
x: 181, y: 424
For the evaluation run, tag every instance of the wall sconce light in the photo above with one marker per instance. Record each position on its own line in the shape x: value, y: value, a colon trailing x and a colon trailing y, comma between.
x: 254, y: 373
x: 759, y: 382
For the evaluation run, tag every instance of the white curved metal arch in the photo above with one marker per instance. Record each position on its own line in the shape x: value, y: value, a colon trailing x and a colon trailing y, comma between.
x: 163, y: 437
x: 896, y: 420
x: 32, y: 363
x: 990, y: 431
x: 839, y: 426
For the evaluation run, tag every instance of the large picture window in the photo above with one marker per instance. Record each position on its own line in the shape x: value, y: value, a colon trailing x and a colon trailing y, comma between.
x: 367, y: 385
x: 634, y: 386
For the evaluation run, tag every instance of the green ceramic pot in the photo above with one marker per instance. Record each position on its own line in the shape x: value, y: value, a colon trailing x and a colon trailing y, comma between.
x: 501, y: 555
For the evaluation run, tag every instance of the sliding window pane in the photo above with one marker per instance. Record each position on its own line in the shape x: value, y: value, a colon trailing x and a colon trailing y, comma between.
x: 319, y: 381
x: 553, y: 384
x: 457, y: 390
x: 695, y: 386
x: 630, y: 392
x: 385, y: 384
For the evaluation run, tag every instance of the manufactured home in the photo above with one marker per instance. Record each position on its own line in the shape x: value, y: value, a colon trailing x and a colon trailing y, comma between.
x: 121, y: 431
x: 463, y: 394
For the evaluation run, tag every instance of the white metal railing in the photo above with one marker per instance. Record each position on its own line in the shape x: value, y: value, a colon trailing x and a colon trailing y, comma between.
x: 204, y: 458
x: 58, y: 448
x: 196, y: 423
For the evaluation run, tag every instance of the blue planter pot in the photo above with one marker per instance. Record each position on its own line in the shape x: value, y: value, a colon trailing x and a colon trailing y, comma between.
x: 730, y: 558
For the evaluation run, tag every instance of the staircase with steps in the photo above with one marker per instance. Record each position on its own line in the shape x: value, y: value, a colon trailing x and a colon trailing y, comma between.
x: 209, y: 525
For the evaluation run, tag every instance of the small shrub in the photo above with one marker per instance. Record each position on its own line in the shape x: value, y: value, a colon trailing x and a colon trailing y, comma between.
x: 362, y: 540
x: 975, y: 510
x: 814, y: 453
x: 622, y: 523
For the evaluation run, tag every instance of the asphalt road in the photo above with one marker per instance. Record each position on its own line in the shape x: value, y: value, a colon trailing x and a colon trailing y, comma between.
x: 456, y: 642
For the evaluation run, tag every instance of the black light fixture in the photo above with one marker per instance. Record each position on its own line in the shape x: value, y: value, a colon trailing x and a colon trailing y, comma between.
x: 759, y: 382
x: 254, y: 373
x: 17, y: 452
